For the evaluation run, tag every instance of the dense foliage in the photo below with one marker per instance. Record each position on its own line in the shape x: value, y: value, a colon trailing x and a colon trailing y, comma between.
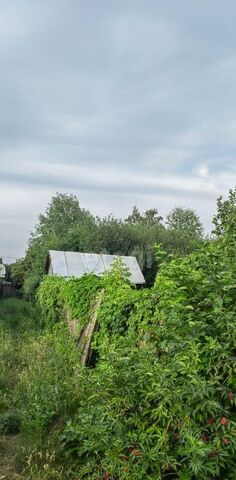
x: 57, y: 296
x: 38, y: 382
x: 66, y: 226
x: 225, y: 219
x: 160, y: 399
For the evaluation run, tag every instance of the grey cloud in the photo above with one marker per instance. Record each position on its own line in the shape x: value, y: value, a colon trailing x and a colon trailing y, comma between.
x: 146, y: 88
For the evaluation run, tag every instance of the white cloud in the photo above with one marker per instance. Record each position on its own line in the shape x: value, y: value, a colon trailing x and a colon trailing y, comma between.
x: 203, y: 171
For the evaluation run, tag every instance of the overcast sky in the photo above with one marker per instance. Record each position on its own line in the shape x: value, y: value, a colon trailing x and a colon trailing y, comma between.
x: 121, y: 102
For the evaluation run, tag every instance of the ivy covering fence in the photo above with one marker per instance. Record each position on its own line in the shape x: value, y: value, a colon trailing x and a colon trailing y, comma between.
x: 160, y: 402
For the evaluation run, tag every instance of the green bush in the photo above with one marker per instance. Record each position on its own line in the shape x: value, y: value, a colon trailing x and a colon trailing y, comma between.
x: 80, y: 295
x: 50, y: 299
x: 56, y: 295
x: 161, y: 401
x: 9, y: 422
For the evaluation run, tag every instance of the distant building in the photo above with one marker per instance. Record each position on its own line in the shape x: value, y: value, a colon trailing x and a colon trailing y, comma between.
x: 6, y: 288
x: 2, y: 269
x: 76, y: 264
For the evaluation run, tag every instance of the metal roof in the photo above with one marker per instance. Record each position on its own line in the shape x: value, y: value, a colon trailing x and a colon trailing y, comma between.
x: 75, y: 264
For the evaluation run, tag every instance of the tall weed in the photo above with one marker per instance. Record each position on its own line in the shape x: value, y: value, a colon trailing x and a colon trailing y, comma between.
x: 47, y: 386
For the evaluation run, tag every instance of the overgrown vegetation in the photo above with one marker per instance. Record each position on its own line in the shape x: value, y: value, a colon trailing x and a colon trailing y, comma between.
x: 57, y: 295
x: 66, y: 226
x: 37, y: 382
x: 160, y: 401
x: 18, y: 321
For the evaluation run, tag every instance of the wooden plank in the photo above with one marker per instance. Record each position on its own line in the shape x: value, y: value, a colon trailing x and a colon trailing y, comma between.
x: 86, y: 337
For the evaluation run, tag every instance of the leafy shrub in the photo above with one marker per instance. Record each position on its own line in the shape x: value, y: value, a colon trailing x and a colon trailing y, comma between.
x: 56, y: 295
x: 50, y: 299
x: 79, y: 294
x: 161, y: 401
x: 9, y: 422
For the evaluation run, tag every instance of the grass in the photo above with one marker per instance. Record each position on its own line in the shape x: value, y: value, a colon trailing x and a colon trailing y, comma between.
x: 18, y: 321
x: 17, y: 316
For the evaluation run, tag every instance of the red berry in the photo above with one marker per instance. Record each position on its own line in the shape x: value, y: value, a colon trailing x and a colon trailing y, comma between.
x: 210, y: 421
x: 230, y: 396
x: 225, y: 441
x: 224, y: 421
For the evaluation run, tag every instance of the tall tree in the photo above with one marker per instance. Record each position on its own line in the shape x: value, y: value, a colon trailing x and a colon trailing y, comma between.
x: 61, y: 227
x: 152, y: 218
x: 224, y: 220
x: 185, y: 220
x: 149, y: 218
x: 66, y: 226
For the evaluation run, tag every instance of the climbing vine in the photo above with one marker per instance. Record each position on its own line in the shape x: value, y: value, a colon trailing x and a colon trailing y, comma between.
x: 57, y: 294
x: 160, y: 402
